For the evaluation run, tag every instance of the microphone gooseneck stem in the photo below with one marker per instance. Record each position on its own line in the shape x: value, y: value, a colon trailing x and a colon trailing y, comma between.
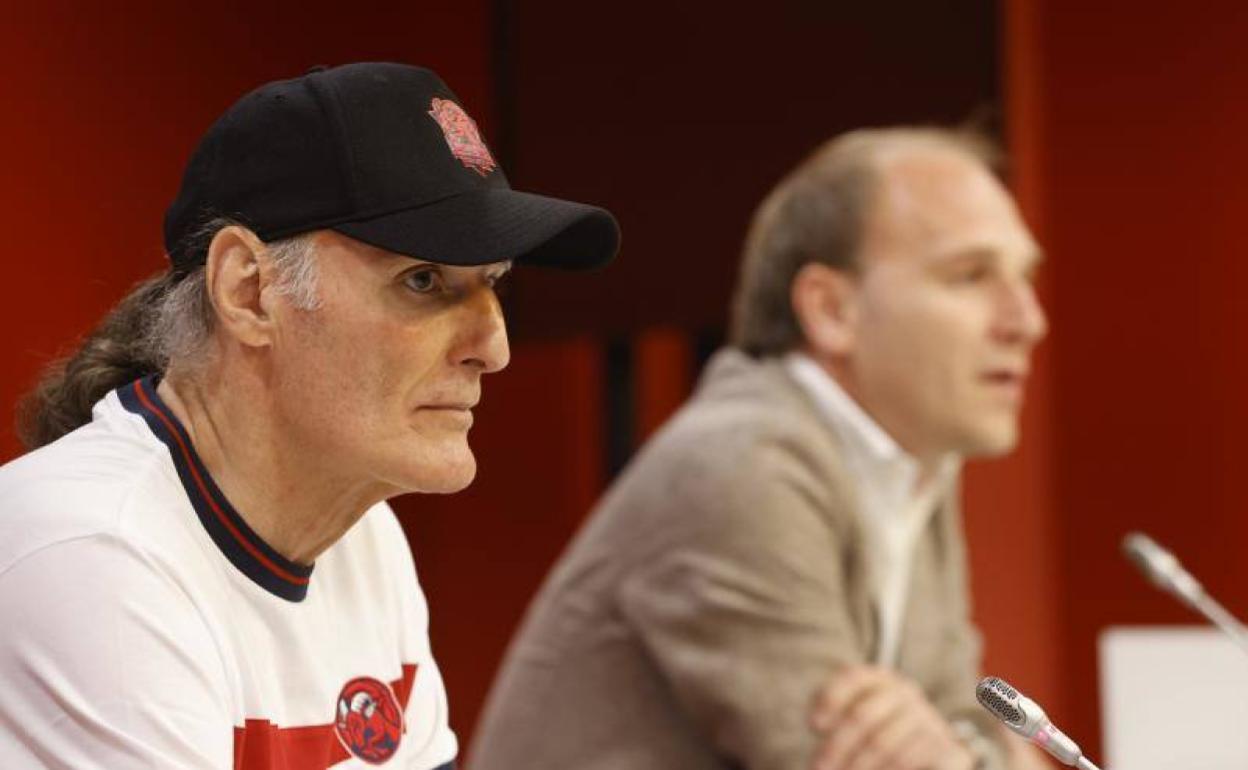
x: 1086, y: 764
x: 1164, y: 570
x: 1218, y: 615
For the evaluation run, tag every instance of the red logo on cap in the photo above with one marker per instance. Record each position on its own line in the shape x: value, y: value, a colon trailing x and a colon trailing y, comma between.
x: 462, y: 136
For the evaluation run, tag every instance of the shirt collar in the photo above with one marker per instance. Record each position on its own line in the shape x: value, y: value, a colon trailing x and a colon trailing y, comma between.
x: 889, y: 474
x: 240, y: 544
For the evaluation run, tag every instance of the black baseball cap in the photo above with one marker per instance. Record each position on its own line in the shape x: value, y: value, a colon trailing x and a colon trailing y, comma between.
x: 385, y: 154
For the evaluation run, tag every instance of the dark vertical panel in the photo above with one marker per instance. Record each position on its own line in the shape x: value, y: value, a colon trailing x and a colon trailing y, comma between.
x: 705, y: 343
x: 618, y: 441
x: 503, y: 65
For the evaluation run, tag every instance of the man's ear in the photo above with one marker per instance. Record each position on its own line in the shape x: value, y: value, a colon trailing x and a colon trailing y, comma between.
x: 236, y: 276
x: 825, y: 302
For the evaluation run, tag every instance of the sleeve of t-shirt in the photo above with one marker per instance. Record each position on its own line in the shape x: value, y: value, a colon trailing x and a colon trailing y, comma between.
x: 107, y: 664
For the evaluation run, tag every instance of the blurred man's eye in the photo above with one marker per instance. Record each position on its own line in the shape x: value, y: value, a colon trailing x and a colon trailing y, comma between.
x: 970, y: 273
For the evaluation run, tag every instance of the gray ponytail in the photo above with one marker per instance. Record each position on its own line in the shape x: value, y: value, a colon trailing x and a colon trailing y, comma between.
x: 163, y: 319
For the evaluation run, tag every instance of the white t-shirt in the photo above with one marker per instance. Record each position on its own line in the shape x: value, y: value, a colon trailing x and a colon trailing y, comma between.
x: 143, y: 624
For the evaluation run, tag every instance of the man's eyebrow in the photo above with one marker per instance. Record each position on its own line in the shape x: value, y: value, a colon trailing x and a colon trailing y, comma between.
x: 1033, y: 257
x: 405, y: 260
x: 964, y: 253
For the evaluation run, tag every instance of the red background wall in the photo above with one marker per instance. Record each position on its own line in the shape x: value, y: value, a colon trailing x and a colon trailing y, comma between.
x: 1124, y: 122
x: 1135, y: 125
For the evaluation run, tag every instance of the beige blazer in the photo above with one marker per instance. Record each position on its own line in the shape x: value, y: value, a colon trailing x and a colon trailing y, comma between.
x: 714, y: 590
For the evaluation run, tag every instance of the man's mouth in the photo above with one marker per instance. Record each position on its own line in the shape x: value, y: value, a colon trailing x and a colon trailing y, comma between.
x: 458, y: 414
x: 1011, y: 381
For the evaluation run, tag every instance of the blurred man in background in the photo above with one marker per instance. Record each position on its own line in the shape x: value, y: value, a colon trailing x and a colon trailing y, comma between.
x: 778, y: 580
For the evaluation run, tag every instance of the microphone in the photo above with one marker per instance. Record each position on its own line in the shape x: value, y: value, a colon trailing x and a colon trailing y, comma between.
x: 1025, y: 717
x: 1164, y: 571
x: 1162, y: 568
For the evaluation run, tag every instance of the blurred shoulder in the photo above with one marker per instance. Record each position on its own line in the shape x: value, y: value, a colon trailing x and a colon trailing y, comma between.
x: 746, y: 415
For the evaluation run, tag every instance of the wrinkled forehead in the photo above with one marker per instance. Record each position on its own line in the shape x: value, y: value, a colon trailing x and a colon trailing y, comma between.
x: 932, y: 200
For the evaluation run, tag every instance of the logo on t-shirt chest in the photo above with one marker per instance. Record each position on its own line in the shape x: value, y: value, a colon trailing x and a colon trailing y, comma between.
x: 368, y: 724
x: 369, y: 720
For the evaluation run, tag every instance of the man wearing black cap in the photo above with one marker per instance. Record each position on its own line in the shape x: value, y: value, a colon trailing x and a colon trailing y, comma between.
x: 197, y: 564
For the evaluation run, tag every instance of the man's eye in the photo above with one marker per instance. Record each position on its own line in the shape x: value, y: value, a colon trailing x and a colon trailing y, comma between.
x: 972, y: 274
x: 423, y: 281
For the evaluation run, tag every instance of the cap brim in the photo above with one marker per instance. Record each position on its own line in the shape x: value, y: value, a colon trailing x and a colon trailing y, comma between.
x: 495, y: 225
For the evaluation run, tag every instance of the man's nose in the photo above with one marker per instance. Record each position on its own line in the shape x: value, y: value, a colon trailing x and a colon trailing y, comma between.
x: 484, y: 340
x: 1022, y: 317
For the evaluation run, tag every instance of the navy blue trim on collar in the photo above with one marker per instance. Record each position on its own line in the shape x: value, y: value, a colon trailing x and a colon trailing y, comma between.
x: 241, y: 545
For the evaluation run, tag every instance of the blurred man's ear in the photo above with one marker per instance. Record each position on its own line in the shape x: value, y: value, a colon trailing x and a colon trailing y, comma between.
x: 825, y: 303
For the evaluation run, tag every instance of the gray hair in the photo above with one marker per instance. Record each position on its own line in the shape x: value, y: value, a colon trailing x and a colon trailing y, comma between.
x: 166, y: 320
x: 181, y: 323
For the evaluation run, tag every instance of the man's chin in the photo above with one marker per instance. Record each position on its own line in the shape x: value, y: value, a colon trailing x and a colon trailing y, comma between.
x: 451, y: 480
x: 441, y: 473
x: 991, y: 441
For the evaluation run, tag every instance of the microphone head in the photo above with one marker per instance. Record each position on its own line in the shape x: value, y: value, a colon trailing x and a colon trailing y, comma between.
x: 1025, y: 717
x: 1161, y: 567
x: 998, y: 697
x: 1156, y: 563
x: 1018, y: 712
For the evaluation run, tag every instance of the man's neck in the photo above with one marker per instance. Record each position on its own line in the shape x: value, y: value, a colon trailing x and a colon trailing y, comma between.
x: 930, y: 466
x: 298, y: 504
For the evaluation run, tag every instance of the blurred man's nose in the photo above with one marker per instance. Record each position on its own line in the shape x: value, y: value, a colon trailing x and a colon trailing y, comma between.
x: 1021, y: 318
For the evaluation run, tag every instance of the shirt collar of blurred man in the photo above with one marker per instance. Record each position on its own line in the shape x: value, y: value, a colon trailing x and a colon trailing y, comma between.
x: 895, y: 500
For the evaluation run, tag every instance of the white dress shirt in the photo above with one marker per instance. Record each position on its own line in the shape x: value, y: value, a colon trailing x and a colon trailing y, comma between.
x: 895, y: 502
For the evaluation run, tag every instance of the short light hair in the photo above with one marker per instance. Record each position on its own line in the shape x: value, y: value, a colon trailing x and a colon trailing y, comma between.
x: 817, y: 214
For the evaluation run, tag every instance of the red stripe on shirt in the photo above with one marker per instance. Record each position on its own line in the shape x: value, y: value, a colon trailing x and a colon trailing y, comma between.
x: 261, y: 745
x: 203, y: 490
